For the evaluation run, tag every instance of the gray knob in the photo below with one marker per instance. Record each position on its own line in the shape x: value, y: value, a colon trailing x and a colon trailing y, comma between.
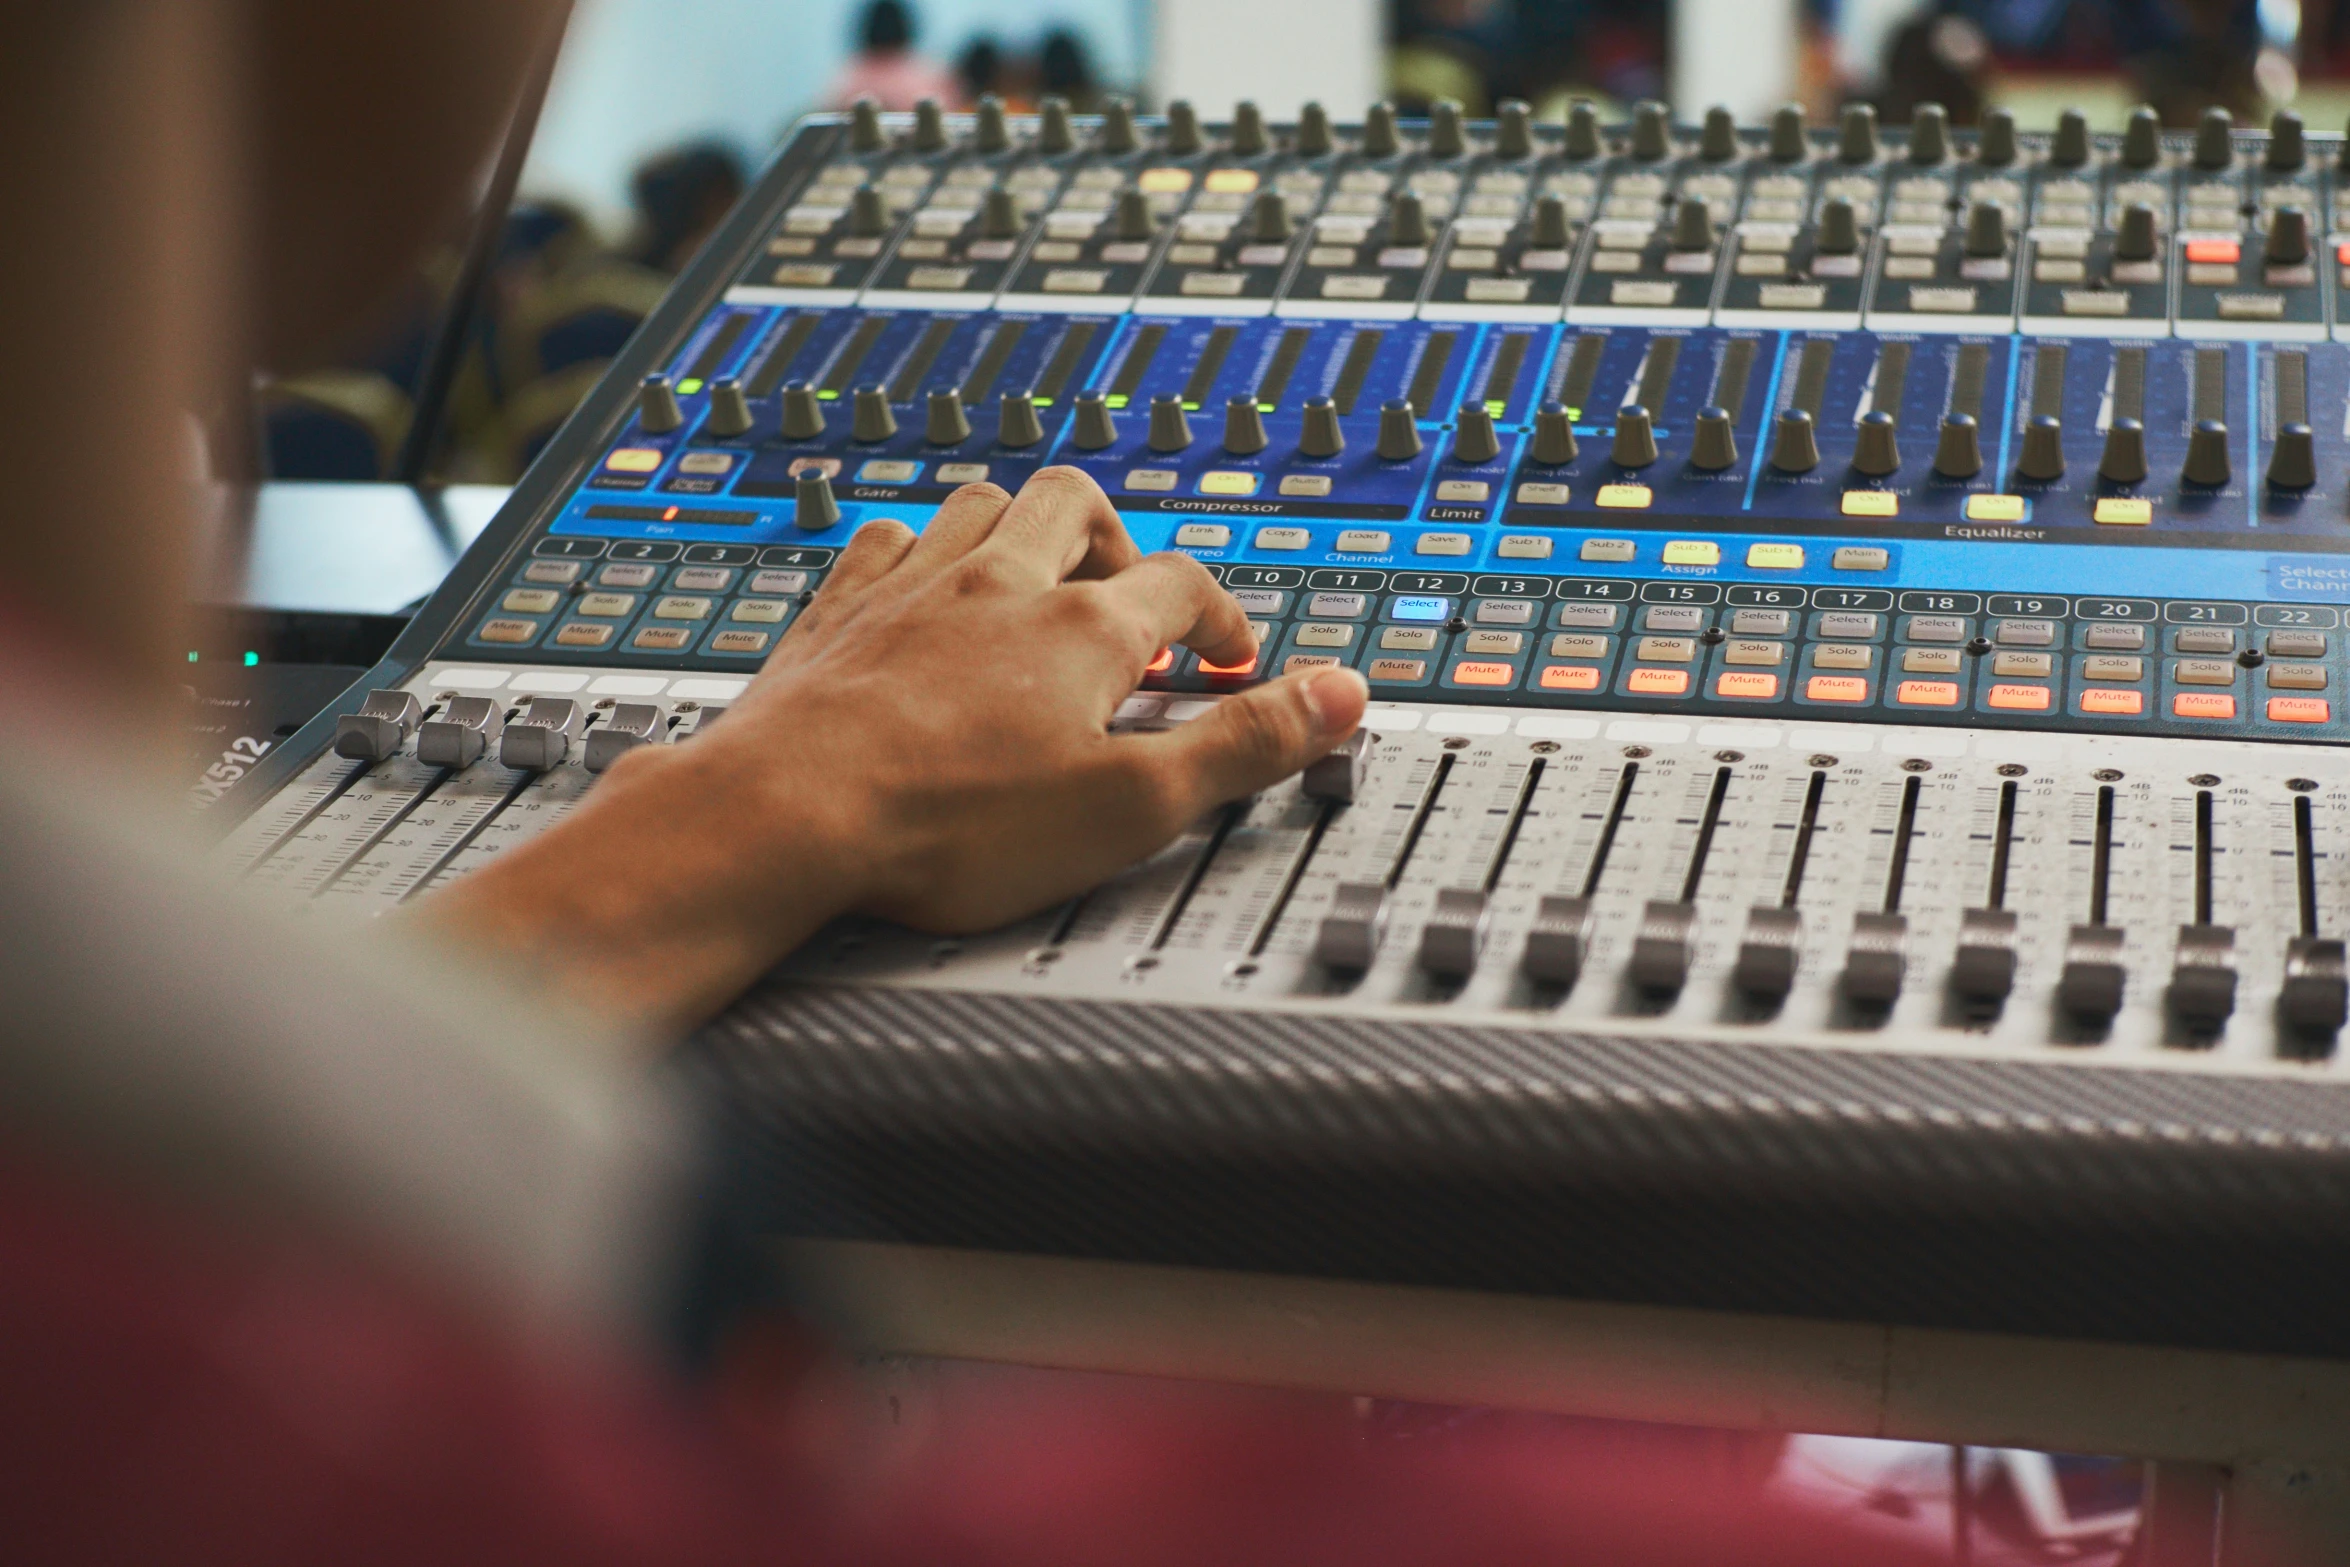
x: 1399, y: 431
x: 868, y: 213
x: 1446, y: 139
x: 1717, y: 141
x: 2124, y: 458
x: 657, y: 412
x: 1986, y: 230
x: 1407, y: 220
x: 990, y: 133
x: 2286, y: 150
x: 803, y: 415
x: 1582, y: 131
x: 2043, y: 456
x: 865, y: 126
x: 1550, y: 225
x: 1016, y: 424
x: 1875, y: 452
x: 2142, y: 139
x: 1170, y: 430
x: 1379, y: 138
x: 1856, y: 137
x: 1313, y: 132
x: 2069, y: 148
x: 1789, y: 144
x: 930, y: 126
x: 947, y: 425
x: 2288, y: 238
x: 870, y: 418
x: 2215, y: 142
x: 1000, y: 218
x: 1715, y: 446
x: 1118, y: 135
x: 1958, y: 450
x: 1095, y: 428
x: 2292, y: 462
x: 1995, y: 147
x: 1652, y: 131
x: 1474, y: 439
x: 1054, y: 134
x: 2135, y: 241
x: 1839, y: 233
x: 380, y: 727
x: 1244, y: 426
x: 1321, y: 437
x: 1513, y: 131
x: 1929, y: 134
x: 1554, y: 435
x: 2207, y: 454
x: 1693, y: 225
x: 1635, y: 442
x: 1795, y: 446
x: 1182, y: 128
x: 813, y: 507
x: 730, y: 411
x: 1268, y: 218
x: 1248, y: 129
x: 1132, y: 221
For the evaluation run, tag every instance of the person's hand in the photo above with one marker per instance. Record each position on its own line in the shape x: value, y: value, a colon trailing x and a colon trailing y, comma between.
x: 929, y: 743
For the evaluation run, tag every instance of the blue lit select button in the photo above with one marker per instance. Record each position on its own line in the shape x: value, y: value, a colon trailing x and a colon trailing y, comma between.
x: 1419, y: 609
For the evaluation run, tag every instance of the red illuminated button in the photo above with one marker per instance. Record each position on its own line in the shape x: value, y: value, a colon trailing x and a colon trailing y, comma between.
x: 1475, y: 672
x: 1746, y: 685
x: 2114, y: 704
x: 1836, y: 688
x: 2202, y: 704
x: 2342, y: 252
x: 1927, y: 693
x: 2223, y: 251
x: 1658, y: 682
x: 1164, y: 662
x: 2299, y: 710
x: 1570, y: 677
x: 2018, y: 699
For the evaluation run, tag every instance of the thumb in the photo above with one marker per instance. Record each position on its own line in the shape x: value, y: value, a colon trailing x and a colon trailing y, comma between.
x: 1263, y: 735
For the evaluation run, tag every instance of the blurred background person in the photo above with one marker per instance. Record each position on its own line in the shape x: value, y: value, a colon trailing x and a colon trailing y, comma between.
x: 886, y: 67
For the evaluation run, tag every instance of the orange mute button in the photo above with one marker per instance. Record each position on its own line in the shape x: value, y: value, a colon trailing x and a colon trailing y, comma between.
x: 2299, y: 710
x: 2018, y: 699
x: 2226, y: 252
x: 2202, y: 704
x: 1658, y: 682
x: 2114, y: 704
x: 1927, y: 693
x: 1473, y: 672
x: 1836, y: 688
x: 1746, y: 685
x: 1570, y: 677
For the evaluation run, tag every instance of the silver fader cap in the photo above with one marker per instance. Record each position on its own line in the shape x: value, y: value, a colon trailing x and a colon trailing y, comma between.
x: 2316, y: 993
x: 380, y: 727
x: 2203, y: 977
x: 1348, y: 937
x: 627, y: 726
x: 1660, y: 947
x: 1558, y: 941
x: 541, y: 736
x: 1877, y: 961
x: 463, y: 734
x: 1338, y: 775
x: 1770, y: 952
x: 1983, y: 972
x: 1454, y: 933
x: 2090, y: 988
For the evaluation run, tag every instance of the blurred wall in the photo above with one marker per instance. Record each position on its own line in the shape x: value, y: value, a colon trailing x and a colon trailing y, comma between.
x: 1282, y: 53
x: 1739, y: 53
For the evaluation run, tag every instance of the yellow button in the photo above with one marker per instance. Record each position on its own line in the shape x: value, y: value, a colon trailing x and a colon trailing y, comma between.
x: 1231, y: 182
x: 1995, y: 508
x: 1228, y: 481
x: 1160, y: 182
x: 633, y: 459
x: 1625, y: 497
x: 1871, y: 503
x: 1775, y: 557
x: 1692, y: 552
x: 2124, y: 511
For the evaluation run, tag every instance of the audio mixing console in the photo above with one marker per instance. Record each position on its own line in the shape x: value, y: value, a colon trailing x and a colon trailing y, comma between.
x: 1851, y: 816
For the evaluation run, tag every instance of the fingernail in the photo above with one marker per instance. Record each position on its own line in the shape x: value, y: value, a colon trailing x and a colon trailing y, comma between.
x: 1335, y: 697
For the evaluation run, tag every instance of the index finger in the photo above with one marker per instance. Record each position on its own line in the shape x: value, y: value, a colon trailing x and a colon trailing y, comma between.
x: 1061, y: 526
x: 1170, y: 598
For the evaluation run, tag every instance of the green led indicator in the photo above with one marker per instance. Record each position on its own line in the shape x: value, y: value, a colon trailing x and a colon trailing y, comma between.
x: 690, y: 385
x: 1574, y: 416
x: 1116, y: 400
x: 191, y: 655
x: 251, y: 658
x: 1191, y: 408
x: 1264, y: 408
x: 1495, y: 407
x: 829, y: 397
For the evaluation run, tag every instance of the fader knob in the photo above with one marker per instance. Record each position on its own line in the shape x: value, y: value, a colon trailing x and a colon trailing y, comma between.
x: 2288, y: 238
x: 1929, y: 134
x: 1635, y: 442
x: 1693, y: 226
x: 1054, y: 134
x: 2093, y: 980
x: 1717, y: 140
x: 1875, y: 452
x: 1513, y: 131
x: 1839, y: 228
x: 1244, y: 425
x: 1379, y: 138
x: 1248, y: 129
x: 2043, y: 456
x: 1132, y: 221
x: 1321, y: 436
x: 1995, y: 148
x: 868, y: 213
x: 930, y: 126
x: 626, y: 726
x: 657, y: 412
x: 1095, y: 427
x: 2313, y: 999
x: 2135, y: 241
x: 1446, y: 139
x: 2292, y: 462
x: 1118, y: 136
x: 947, y: 424
x: 1268, y: 219
x: 380, y: 727
x: 813, y: 508
x: 1856, y: 139
x: 2207, y: 453
x: 1550, y: 224
x: 1337, y: 777
x: 1958, y: 450
x: 1407, y: 221
x: 1789, y: 144
x: 1313, y: 132
x: 1016, y: 424
x: 1715, y: 445
x: 1554, y: 435
x: 870, y: 418
x: 1582, y: 131
x: 730, y: 411
x: 1652, y: 131
x: 1399, y: 431
x: 1182, y: 128
x: 2069, y: 148
x: 1795, y: 446
x: 1453, y: 934
x: 540, y: 737
x: 1000, y: 217
x: 2286, y: 150
x: 2215, y: 142
x: 1474, y: 439
x: 865, y: 126
x: 470, y: 725
x: 1170, y: 430
x: 803, y: 415
x: 2124, y: 459
x: 2142, y: 139
x: 989, y: 133
x: 1986, y: 230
